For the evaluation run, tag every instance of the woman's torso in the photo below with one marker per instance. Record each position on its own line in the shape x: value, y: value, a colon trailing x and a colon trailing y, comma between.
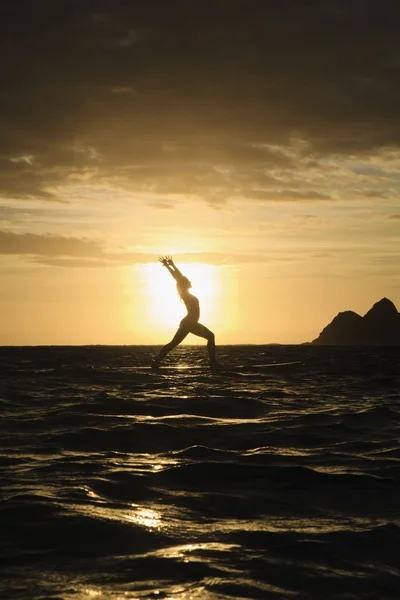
x: 192, y: 306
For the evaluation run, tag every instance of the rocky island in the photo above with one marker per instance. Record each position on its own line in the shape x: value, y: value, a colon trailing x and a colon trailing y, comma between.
x: 379, y: 326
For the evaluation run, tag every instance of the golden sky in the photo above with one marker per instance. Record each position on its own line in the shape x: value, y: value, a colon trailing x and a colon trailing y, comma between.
x: 258, y: 143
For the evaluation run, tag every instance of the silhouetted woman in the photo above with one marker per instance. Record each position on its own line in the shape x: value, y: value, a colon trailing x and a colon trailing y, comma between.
x: 190, y: 323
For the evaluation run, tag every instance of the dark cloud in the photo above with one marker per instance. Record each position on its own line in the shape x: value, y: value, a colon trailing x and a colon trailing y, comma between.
x: 286, y: 194
x: 85, y: 263
x: 47, y: 245
x: 375, y: 194
x: 23, y: 180
x: 173, y: 89
x: 122, y: 260
x: 161, y: 205
x: 306, y: 217
x: 63, y: 251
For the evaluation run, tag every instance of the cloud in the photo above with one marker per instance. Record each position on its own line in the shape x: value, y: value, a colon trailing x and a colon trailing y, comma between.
x: 85, y: 263
x: 161, y: 205
x: 47, y: 245
x: 201, y: 97
x: 284, y: 194
x: 219, y: 258
x: 63, y: 251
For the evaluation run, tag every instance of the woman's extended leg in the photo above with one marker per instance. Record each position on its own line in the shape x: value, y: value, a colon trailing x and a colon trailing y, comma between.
x: 202, y: 331
x: 177, y: 339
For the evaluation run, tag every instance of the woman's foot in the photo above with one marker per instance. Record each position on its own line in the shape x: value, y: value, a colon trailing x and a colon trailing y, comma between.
x: 216, y: 366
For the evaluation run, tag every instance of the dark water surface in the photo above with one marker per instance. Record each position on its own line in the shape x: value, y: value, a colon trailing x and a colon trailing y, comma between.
x: 275, y: 482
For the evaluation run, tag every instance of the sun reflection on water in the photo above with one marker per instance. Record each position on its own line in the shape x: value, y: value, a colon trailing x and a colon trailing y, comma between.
x: 146, y: 517
x: 187, y: 552
x: 143, y: 463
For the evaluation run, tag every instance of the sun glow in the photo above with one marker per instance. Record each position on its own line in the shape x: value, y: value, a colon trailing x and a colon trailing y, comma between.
x: 164, y: 304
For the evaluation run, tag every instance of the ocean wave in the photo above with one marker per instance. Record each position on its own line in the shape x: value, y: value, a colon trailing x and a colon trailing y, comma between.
x: 278, y: 483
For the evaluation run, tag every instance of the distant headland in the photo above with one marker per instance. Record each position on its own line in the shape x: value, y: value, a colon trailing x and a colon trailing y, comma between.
x: 379, y: 326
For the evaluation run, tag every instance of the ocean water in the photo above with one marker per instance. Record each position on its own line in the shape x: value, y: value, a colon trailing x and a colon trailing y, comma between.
x: 261, y: 482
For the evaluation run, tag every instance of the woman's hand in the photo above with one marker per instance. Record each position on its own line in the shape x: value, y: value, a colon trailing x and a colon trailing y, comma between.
x: 166, y: 260
x: 163, y: 260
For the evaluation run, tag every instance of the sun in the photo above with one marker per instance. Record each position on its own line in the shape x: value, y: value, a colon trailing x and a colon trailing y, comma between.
x: 163, y: 302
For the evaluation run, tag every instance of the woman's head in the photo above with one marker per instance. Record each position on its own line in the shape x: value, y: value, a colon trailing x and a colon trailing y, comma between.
x: 183, y: 285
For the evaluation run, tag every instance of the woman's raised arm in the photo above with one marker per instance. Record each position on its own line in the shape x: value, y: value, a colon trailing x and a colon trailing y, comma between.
x: 167, y: 262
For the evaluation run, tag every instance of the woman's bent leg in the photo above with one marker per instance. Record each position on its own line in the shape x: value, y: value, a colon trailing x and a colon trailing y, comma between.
x: 176, y: 340
x: 202, y: 331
